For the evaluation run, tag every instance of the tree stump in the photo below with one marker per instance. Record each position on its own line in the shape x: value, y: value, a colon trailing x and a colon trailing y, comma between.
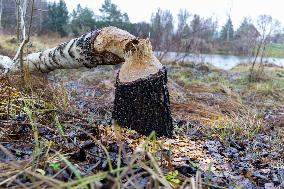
x: 141, y: 98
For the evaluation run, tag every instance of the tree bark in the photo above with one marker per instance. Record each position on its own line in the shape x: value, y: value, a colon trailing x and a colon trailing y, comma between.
x: 99, y: 47
x: 143, y: 105
x: 1, y: 10
x: 141, y: 98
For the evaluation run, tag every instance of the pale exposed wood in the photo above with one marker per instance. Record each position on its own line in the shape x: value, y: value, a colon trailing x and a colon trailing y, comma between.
x: 139, y: 63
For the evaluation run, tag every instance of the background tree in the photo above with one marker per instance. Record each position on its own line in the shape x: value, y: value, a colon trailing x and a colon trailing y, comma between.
x: 141, y: 29
x: 82, y: 20
x: 162, y: 32
x: 182, y: 35
x: 9, y: 16
x: 183, y: 27
x: 246, y: 38
x: 57, y: 17
x: 278, y: 37
x: 209, y: 30
x: 227, y: 32
x: 1, y: 10
x: 267, y: 27
x: 196, y: 26
x: 110, y: 13
x: 194, y: 35
x: 40, y: 16
x: 112, y: 16
x: 202, y: 33
x: 226, y: 38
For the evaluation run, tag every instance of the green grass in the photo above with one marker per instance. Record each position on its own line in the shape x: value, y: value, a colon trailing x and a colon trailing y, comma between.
x: 275, y: 50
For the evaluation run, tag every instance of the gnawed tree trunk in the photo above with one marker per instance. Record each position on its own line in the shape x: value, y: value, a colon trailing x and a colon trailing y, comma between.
x: 141, y: 97
x: 99, y: 47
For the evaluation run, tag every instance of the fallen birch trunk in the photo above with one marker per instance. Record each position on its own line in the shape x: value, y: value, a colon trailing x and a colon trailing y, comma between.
x: 141, y: 97
x: 100, y: 47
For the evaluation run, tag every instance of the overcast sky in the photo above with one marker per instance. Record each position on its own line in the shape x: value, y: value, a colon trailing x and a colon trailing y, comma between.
x: 140, y: 10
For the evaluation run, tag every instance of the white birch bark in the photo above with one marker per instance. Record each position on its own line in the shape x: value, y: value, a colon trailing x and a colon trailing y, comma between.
x: 1, y: 11
x: 100, y: 47
x: 23, y: 10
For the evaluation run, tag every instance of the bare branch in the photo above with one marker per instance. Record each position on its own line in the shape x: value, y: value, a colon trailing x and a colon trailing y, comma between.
x: 1, y: 11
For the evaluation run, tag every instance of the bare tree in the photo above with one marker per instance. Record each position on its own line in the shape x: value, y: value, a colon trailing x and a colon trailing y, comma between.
x: 11, y: 16
x: 162, y: 32
x: 246, y: 38
x: 25, y: 37
x: 267, y: 26
x: 40, y: 15
x: 18, y: 15
x: 1, y: 10
x: 141, y: 29
x: 193, y: 36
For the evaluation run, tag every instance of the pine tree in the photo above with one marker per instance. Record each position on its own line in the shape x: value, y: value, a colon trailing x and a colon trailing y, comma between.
x: 111, y: 13
x: 82, y: 20
x: 58, y: 17
x: 246, y: 38
x: 227, y: 32
x: 195, y: 26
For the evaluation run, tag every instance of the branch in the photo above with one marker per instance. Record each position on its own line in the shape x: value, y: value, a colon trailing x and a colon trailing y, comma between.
x: 1, y: 11
x: 23, y: 28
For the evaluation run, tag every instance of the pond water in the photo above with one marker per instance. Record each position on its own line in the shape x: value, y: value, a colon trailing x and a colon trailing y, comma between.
x: 225, y: 62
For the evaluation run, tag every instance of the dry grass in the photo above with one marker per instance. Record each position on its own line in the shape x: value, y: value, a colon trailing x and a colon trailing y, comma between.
x: 9, y: 44
x: 225, y: 103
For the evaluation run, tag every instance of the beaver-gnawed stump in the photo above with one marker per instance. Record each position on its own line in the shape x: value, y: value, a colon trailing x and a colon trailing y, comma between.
x: 141, y: 98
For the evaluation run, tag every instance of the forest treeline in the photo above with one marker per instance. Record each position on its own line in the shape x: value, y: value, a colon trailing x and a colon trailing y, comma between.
x: 192, y: 33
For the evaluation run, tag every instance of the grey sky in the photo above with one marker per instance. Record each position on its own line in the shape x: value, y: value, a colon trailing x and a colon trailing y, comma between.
x: 140, y: 10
